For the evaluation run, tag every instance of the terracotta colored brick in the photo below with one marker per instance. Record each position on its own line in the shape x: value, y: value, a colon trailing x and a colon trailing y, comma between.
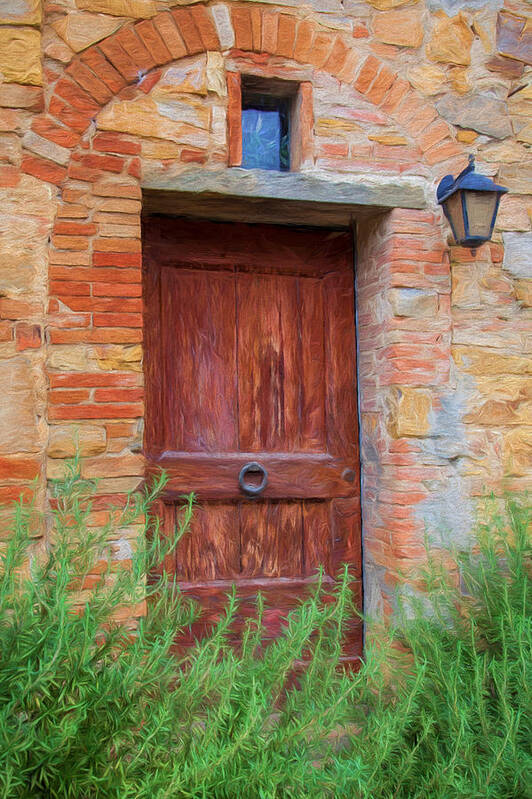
x: 234, y: 118
x: 270, y: 24
x: 256, y: 29
x: 381, y: 84
x: 19, y: 468
x: 446, y: 149
x: 116, y: 290
x: 68, y: 115
x: 434, y: 134
x: 286, y: 35
x: 9, y: 120
x: 86, y: 78
x: 205, y: 25
x: 321, y: 49
x: 43, y: 169
x: 102, y: 304
x: 188, y: 30
x: 92, y: 379
x: 338, y: 57
x: 117, y: 245
x: 360, y: 31
x: 49, y: 129
x: 6, y: 331
x: 103, y: 69
x: 108, y: 163
x: 70, y: 288
x: 242, y: 26
x: 117, y: 320
x: 151, y: 38
x: 16, y: 95
x: 98, y: 335
x: 367, y: 74
x: 395, y: 96
x: 96, y: 274
x: 127, y: 191
x: 350, y: 68
x: 115, y: 143
x: 421, y: 120
x: 68, y: 396
x: 120, y: 59
x: 78, y: 172
x: 122, y: 259
x: 193, y: 156
x: 133, y: 45
x: 69, y: 258
x: 135, y: 168
x: 76, y: 97
x: 9, y: 176
x: 70, y: 242
x: 28, y: 337
x: 121, y: 411
x: 164, y: 22
x: 118, y: 394
x: 75, y: 228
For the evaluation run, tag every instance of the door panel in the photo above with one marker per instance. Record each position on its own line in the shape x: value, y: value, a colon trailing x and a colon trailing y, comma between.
x: 250, y: 356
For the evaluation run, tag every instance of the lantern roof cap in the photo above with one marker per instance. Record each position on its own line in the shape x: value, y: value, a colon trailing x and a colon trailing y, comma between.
x: 467, y: 179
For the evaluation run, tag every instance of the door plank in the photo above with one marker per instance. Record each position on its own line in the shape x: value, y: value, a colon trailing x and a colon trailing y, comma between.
x: 346, y: 535
x: 313, y: 367
x: 317, y: 537
x: 271, y: 539
x: 198, y: 360
x: 268, y: 363
x: 210, y: 549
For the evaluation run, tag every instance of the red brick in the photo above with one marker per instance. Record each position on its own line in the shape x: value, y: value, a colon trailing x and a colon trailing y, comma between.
x: 234, y: 117
x: 95, y: 275
x: 270, y: 24
x: 118, y: 394
x: 151, y: 38
x: 286, y: 35
x: 86, y: 78
x: 19, y: 468
x: 115, y: 143
x: 118, y: 245
x: 76, y: 97
x: 43, y: 169
x: 102, y: 304
x: 75, y: 228
x: 122, y: 411
x: 70, y: 288
x: 119, y: 59
x: 336, y: 61
x: 442, y: 151
x: 136, y: 49
x: 434, y: 134
x: 9, y: 176
x: 69, y: 258
x: 395, y: 96
x: 367, y: 74
x: 193, y: 156
x: 105, y: 72
x: 135, y: 168
x: 78, y: 172
x: 49, y: 129
x: 108, y: 163
x: 360, y: 31
x: 164, y: 22
x: 68, y: 396
x: 117, y: 320
x: 242, y: 26
x: 188, y: 30
x: 28, y: 337
x: 16, y: 95
x: 99, y: 335
x: 320, y: 50
x: 6, y: 331
x: 9, y: 120
x: 256, y: 28
x: 114, y: 290
x: 69, y: 116
x: 93, y: 379
x: 381, y: 84
x: 205, y: 25
x: 125, y: 191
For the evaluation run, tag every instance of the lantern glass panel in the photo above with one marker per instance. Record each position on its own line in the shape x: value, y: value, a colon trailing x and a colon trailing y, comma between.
x: 480, y: 207
x: 455, y: 215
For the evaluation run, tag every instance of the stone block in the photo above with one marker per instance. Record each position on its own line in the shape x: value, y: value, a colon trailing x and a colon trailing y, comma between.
x: 21, y: 405
x: 411, y: 408
x: 120, y: 358
x: 513, y: 214
x: 174, y: 120
x: 483, y: 361
x: 137, y: 9
x: 20, y: 55
x: 66, y: 440
x: 403, y: 28
x: 514, y: 37
x: 523, y: 292
x: 385, y: 5
x: 518, y: 254
x: 451, y: 40
x: 415, y: 303
x: 480, y: 112
x: 517, y: 452
x: 79, y: 30
x: 427, y: 78
x: 21, y: 12
x: 23, y: 246
x: 517, y: 177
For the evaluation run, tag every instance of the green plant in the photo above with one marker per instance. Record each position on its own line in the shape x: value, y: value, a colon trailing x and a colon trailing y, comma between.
x: 91, y: 709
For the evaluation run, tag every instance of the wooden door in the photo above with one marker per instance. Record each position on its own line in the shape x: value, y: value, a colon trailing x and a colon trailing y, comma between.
x: 251, y: 357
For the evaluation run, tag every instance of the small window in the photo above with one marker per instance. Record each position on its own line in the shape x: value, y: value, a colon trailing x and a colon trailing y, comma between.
x: 266, y: 116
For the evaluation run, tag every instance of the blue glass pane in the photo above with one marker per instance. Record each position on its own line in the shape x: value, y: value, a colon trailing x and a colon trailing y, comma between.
x: 261, y: 139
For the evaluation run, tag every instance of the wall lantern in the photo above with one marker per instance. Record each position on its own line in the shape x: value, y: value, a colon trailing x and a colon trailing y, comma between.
x: 470, y: 204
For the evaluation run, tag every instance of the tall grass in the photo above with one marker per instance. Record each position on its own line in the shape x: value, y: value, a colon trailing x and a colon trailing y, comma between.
x: 90, y: 709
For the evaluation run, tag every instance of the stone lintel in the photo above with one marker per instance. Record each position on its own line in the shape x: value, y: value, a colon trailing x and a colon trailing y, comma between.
x: 257, y: 195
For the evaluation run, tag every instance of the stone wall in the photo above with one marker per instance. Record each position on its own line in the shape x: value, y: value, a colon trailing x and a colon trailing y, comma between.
x: 99, y: 96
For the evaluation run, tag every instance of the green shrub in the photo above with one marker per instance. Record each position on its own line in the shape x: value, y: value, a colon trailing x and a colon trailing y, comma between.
x: 89, y: 709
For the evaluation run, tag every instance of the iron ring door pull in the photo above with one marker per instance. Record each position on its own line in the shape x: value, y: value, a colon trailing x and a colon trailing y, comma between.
x: 248, y: 488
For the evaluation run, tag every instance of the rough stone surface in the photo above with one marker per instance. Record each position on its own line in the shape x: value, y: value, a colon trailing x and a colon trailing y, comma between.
x: 65, y: 440
x: 518, y: 254
x: 20, y: 55
x: 451, y: 40
x: 81, y: 30
x: 413, y: 302
x: 401, y: 27
x: 411, y: 417
x: 21, y: 12
x: 137, y: 9
x: 480, y: 112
